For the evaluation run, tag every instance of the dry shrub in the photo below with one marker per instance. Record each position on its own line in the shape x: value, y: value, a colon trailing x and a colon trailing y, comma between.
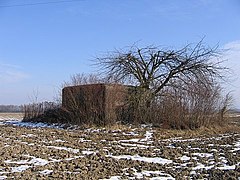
x: 33, y: 112
x: 202, y: 106
x: 136, y: 109
x: 177, y: 108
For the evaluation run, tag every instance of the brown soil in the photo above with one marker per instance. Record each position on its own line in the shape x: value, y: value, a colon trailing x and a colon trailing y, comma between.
x: 119, y: 151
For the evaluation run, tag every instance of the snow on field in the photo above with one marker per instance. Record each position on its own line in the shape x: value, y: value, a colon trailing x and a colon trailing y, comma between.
x: 203, y: 154
x: 20, y: 168
x: 185, y: 158
x: 140, y: 175
x: 227, y: 167
x: 34, y: 161
x: 3, y: 177
x: 16, y: 120
x: 25, y: 164
x: 113, y: 178
x: 59, y: 140
x: 88, y: 152
x: 64, y: 148
x: 135, y: 145
x: 158, y: 159
x: 46, y: 172
x: 237, y: 146
x: 32, y: 124
x: 84, y: 140
x: 129, y: 140
x: 160, y: 175
x: 148, y: 137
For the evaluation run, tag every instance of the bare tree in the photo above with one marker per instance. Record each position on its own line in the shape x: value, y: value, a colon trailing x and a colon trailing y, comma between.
x: 175, y: 86
x: 154, y: 69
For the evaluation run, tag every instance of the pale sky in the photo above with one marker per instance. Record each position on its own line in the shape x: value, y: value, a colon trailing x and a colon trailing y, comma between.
x: 43, y: 42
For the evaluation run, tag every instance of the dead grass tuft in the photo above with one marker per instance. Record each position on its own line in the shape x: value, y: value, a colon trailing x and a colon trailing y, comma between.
x: 202, y: 131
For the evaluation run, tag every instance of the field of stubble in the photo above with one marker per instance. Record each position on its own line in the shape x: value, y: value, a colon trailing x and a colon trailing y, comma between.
x: 39, y: 151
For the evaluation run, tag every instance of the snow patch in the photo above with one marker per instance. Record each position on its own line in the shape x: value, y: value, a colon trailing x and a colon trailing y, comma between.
x: 226, y: 167
x: 113, y: 178
x: 84, y: 140
x: 3, y: 177
x: 38, y: 162
x: 28, y: 135
x: 135, y: 145
x: 203, y: 154
x: 88, y: 152
x: 129, y: 140
x: 34, y: 161
x: 33, y: 125
x: 20, y: 168
x: 160, y: 175
x: 46, y: 172
x: 148, y: 136
x: 130, y: 134
x: 157, y: 160
x: 72, y: 158
x: 201, y: 166
x: 185, y: 158
x: 64, y: 148
x: 237, y: 146
x: 59, y: 140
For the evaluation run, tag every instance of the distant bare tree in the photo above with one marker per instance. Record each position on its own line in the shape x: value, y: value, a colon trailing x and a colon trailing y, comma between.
x: 11, y: 108
x: 82, y: 79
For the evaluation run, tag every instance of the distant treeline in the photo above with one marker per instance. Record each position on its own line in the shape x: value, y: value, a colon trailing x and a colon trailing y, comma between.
x: 11, y: 108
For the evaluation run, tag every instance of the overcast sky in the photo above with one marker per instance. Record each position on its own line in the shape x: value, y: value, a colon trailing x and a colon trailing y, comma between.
x: 41, y: 45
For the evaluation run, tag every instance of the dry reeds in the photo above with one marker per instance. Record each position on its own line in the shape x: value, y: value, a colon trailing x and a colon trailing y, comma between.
x: 33, y: 112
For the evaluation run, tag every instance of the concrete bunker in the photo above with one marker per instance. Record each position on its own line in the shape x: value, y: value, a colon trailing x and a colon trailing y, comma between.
x: 95, y: 103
